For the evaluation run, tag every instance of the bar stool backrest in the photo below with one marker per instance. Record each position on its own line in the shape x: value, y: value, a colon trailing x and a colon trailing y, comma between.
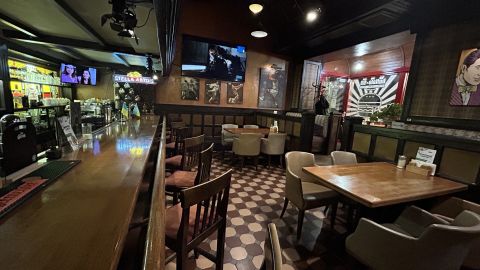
x: 204, y: 165
x: 180, y: 135
x: 191, y: 154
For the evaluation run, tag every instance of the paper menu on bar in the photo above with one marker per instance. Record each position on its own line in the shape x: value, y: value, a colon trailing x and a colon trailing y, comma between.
x: 426, y: 154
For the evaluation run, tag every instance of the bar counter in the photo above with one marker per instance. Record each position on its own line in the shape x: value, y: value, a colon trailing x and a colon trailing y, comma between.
x: 81, y: 220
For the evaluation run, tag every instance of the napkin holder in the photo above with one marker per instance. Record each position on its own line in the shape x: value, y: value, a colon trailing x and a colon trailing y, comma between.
x: 421, y: 168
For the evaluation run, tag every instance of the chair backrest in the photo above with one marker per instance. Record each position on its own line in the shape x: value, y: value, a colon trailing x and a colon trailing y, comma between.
x: 248, y: 144
x: 276, y: 143
x: 296, y: 160
x: 451, y: 208
x: 273, y: 251
x: 173, y: 127
x: 191, y: 155
x: 180, y: 134
x: 342, y: 157
x: 250, y: 126
x: 226, y: 134
x: 211, y: 201
x: 204, y: 165
x: 450, y: 244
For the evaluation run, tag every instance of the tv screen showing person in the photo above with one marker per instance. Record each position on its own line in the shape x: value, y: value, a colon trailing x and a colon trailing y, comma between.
x: 87, y: 76
x: 69, y: 73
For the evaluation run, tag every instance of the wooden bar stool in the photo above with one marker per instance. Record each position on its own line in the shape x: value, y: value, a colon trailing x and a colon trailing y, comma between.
x: 187, y: 157
x: 202, y: 212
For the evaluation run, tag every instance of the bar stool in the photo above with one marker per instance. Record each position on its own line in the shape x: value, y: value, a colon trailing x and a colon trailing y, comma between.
x: 202, y: 211
x: 176, y: 162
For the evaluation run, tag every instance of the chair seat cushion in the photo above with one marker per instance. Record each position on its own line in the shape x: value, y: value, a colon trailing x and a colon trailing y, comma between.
x: 181, y: 179
x: 173, y: 218
x: 314, y: 194
x: 174, y: 161
x: 170, y: 145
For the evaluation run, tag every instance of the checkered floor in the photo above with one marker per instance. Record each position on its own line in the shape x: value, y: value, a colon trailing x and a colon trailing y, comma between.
x: 256, y: 199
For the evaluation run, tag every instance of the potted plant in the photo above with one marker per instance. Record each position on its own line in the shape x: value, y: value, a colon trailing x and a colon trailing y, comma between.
x: 390, y: 113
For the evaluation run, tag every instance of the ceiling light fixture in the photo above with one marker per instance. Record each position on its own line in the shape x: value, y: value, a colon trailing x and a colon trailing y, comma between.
x: 259, y: 34
x: 312, y: 15
x: 155, y: 77
x: 255, y: 8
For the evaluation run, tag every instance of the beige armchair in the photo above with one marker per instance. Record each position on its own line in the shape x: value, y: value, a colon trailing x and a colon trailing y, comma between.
x: 342, y: 157
x: 302, y: 191
x: 274, y: 145
x: 417, y: 240
x: 227, y: 137
x: 448, y: 210
x: 247, y: 145
x: 250, y: 126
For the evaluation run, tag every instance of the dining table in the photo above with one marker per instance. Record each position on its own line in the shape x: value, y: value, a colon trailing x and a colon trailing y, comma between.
x: 379, y: 184
x: 237, y: 131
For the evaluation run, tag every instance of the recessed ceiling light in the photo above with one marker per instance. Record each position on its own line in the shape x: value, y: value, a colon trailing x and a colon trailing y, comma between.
x: 312, y: 15
x: 255, y: 8
x: 358, y: 66
x: 259, y: 34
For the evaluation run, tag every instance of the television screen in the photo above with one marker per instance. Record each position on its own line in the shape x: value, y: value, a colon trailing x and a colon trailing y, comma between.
x: 78, y: 74
x: 213, y: 60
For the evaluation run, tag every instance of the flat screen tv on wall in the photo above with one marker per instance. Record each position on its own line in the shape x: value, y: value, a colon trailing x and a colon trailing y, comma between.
x: 213, y: 60
x: 78, y: 74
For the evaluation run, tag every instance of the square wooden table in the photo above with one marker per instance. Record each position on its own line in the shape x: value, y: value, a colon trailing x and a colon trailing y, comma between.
x: 379, y: 184
x: 237, y: 131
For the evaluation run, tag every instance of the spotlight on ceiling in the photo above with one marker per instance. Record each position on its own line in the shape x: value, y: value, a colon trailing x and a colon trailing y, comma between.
x: 312, y: 15
x: 255, y: 8
x: 259, y: 34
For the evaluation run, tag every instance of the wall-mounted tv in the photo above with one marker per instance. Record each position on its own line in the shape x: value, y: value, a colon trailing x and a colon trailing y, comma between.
x: 78, y: 74
x: 213, y: 60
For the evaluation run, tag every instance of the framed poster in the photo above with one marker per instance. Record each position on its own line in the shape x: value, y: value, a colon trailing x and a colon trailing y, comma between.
x: 371, y: 94
x: 190, y: 88
x: 272, y: 87
x: 212, y: 92
x: 234, y: 93
x: 466, y: 87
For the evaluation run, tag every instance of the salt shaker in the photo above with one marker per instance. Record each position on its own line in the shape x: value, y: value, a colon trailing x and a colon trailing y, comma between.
x: 402, y: 161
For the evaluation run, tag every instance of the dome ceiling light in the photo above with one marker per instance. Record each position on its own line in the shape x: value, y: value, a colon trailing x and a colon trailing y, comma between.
x: 259, y: 34
x: 255, y: 8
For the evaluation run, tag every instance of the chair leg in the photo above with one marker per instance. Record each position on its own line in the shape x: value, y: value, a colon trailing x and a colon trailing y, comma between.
x: 281, y: 161
x: 301, y: 214
x: 269, y: 160
x: 242, y: 162
x: 333, y: 214
x: 255, y: 159
x: 285, y: 205
x: 220, y: 246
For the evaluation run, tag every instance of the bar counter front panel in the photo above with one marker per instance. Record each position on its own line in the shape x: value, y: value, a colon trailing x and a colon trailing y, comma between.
x: 80, y: 221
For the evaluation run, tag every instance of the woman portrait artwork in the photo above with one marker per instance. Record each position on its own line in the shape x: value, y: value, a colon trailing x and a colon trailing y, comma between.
x: 465, y: 90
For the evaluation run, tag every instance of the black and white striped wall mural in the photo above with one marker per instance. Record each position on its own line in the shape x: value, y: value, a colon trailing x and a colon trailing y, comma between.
x: 370, y: 94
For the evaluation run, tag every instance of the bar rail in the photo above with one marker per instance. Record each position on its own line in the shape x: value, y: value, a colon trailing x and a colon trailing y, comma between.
x: 154, y: 258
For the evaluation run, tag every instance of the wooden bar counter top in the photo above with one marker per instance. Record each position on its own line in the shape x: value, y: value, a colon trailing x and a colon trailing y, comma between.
x: 80, y: 221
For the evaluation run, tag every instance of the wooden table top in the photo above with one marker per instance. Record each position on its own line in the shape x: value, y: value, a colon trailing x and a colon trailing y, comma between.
x: 263, y: 131
x: 380, y: 184
x: 80, y: 221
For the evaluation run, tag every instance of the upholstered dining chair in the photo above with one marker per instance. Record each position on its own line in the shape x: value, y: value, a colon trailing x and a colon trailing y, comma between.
x: 302, y: 190
x: 273, y: 252
x: 447, y: 210
x: 187, y: 158
x: 250, y: 126
x: 343, y: 157
x: 227, y: 137
x: 417, y: 240
x: 274, y: 145
x: 182, y: 179
x: 202, y: 211
x: 247, y: 145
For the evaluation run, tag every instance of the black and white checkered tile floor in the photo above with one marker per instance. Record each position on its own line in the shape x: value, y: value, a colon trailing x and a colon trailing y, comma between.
x: 256, y: 199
